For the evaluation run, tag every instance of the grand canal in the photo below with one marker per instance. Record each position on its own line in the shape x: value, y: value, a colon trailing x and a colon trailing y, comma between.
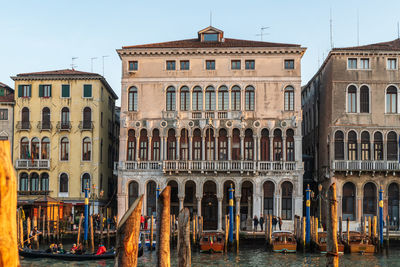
x: 247, y: 257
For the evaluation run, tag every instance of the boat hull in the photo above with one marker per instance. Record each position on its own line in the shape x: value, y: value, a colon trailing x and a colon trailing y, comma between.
x: 362, y: 248
x: 212, y: 248
x: 284, y: 248
x: 322, y: 248
x: 66, y: 257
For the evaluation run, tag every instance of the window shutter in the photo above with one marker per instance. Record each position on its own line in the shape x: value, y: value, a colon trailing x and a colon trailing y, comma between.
x: 49, y: 90
x: 20, y: 90
x: 29, y: 91
x: 65, y: 90
x: 41, y: 90
x: 87, y: 90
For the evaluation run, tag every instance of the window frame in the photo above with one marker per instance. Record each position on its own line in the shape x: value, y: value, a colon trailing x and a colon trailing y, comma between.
x: 289, y: 98
x: 91, y: 91
x: 69, y: 91
x: 289, y: 64
x: 134, y: 106
x: 362, y: 63
x: 3, y: 114
x: 135, y: 65
x: 210, y: 64
x: 250, y: 64
x: 350, y: 66
x: 170, y: 65
x: 86, y: 149
x: 185, y: 64
x: 64, y: 147
x: 236, y: 64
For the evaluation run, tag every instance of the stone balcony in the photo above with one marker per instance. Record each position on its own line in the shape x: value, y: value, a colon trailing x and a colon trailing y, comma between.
x: 210, y: 166
x: 365, y: 165
x: 32, y: 164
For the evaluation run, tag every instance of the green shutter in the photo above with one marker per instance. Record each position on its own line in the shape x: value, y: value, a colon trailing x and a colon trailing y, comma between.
x: 50, y: 91
x: 41, y: 90
x: 20, y: 90
x: 87, y: 90
x: 30, y: 91
x: 65, y: 90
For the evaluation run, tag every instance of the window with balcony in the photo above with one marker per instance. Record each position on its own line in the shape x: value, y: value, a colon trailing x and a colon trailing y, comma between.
x: 87, y: 118
x: 250, y: 64
x: 44, y: 181
x: 170, y: 64
x: 223, y: 98
x: 171, y: 98
x: 143, y: 142
x: 64, y: 183
x: 196, y: 155
x: 391, y: 99
x: 352, y: 145
x: 210, y: 98
x: 156, y: 145
x: 65, y: 118
x: 236, y: 153
x: 364, y: 99
x: 45, y: 118
x: 365, y: 146
x: 184, y: 145
x: 45, y: 148
x: 184, y: 64
x: 349, y: 201
x: 24, y: 148
x: 64, y: 150
x: 339, y: 145
x: 289, y: 64
x: 25, y: 123
x: 223, y: 145
x: 289, y: 98
x: 133, y: 65
x: 249, y: 98
x: 210, y: 144
x: 133, y: 99
x: 210, y: 64
x: 248, y: 145
x: 34, y: 182
x: 23, y: 182
x: 185, y: 98
x: 197, y: 99
x: 24, y: 91
x: 277, y: 145
x: 235, y: 64
x: 86, y: 149
x: 44, y: 90
x: 378, y: 146
x: 290, y: 145
x: 392, y: 146
x: 264, y: 143
x: 391, y: 64
x: 85, y: 182
x: 352, y: 99
x: 131, y: 146
x: 369, y: 200
x: 35, y: 148
x: 235, y: 98
x: 287, y: 191
x: 171, y: 145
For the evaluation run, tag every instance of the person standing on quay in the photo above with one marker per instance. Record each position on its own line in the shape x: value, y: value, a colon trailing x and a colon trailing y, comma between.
x: 280, y: 223
x: 255, y: 223
x: 261, y: 222
x: 274, y: 222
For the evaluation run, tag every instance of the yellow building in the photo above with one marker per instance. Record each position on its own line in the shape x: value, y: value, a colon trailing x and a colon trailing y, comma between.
x: 63, y: 134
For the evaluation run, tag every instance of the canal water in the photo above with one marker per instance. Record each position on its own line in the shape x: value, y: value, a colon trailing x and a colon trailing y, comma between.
x: 247, y: 257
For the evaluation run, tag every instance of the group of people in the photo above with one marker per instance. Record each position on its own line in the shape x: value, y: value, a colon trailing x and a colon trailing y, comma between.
x: 96, y: 221
x: 145, y: 222
x: 56, y: 248
x: 275, y: 221
x: 75, y: 249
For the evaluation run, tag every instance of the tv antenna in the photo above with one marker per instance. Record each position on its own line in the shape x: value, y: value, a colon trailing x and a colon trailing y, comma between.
x: 91, y: 63
x: 261, y: 34
x: 103, y: 63
x: 358, y: 28
x: 330, y: 26
x: 73, y: 62
x: 210, y: 17
x: 398, y: 31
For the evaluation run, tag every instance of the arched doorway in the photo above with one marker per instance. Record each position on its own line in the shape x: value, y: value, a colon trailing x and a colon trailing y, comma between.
x: 269, y: 190
x: 151, y: 198
x: 174, y: 198
x: 287, y: 193
x: 133, y: 192
x: 349, y: 201
x: 190, y: 200
x: 209, y: 206
x: 369, y: 201
x: 393, y: 205
x: 246, y: 211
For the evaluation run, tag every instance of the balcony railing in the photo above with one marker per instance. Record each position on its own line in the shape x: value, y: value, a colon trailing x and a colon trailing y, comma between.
x: 34, y: 193
x: 32, y: 164
x: 141, y: 165
x: 85, y: 125
x: 44, y: 126
x: 365, y: 165
x: 23, y: 126
x: 64, y: 126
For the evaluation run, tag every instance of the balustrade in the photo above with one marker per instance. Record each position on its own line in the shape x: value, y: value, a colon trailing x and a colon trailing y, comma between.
x: 365, y: 165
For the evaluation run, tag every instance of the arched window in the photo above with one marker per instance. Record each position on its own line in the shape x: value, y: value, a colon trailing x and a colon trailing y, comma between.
x: 235, y: 144
x: 133, y: 192
x: 352, y: 99
x: 289, y: 98
x: 210, y: 144
x: 249, y: 98
x: 45, y: 118
x: 184, y: 145
x: 65, y: 118
x: 171, y: 98
x: 223, y: 145
x: 87, y: 118
x: 24, y: 150
x: 287, y: 191
x: 151, y: 197
x: 86, y: 149
x: 44, y: 181
x: 131, y: 145
x: 269, y: 191
x: 352, y: 145
x: 277, y: 145
x: 393, y: 205
x: 235, y: 98
x: 133, y: 99
x: 349, y: 201
x: 364, y: 99
x: 196, y: 144
x: 248, y: 145
x: 45, y: 148
x: 185, y: 98
x: 370, y: 200
x: 85, y: 182
x: 290, y: 145
x: 64, y: 183
x: 143, y: 145
x: 339, y: 145
x: 223, y: 98
x: 35, y: 145
x: 210, y: 98
x: 23, y: 182
x: 64, y: 151
x: 25, y: 118
x: 197, y: 99
x: 156, y: 145
x: 365, y: 146
x: 264, y: 142
x: 378, y: 146
x: 171, y: 144
x: 34, y: 182
x: 391, y: 99
x: 392, y: 146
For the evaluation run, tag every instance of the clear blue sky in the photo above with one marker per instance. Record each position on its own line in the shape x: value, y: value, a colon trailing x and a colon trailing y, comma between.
x: 44, y: 34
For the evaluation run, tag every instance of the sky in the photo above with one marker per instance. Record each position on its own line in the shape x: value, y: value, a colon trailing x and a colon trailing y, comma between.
x: 44, y: 35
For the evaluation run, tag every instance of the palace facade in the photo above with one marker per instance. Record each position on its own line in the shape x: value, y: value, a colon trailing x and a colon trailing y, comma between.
x: 208, y: 113
x: 7, y: 114
x: 351, y: 128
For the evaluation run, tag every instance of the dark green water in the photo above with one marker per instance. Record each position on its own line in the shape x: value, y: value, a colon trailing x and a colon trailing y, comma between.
x: 247, y: 257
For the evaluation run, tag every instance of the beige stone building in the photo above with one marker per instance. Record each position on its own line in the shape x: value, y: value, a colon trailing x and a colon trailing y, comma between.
x: 206, y: 113
x: 64, y: 137
x: 7, y: 113
x: 351, y: 127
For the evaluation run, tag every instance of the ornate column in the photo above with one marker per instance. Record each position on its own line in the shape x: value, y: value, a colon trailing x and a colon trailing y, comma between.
x: 229, y: 148
x: 220, y: 213
x: 241, y: 147
x: 284, y: 147
x: 178, y: 141
x: 258, y: 148
x: 149, y: 149
x: 198, y: 205
x: 271, y: 148
x: 162, y: 149
x: 137, y: 147
x: 203, y: 150
x: 237, y: 198
x: 216, y: 146
x: 190, y: 148
x: 181, y: 199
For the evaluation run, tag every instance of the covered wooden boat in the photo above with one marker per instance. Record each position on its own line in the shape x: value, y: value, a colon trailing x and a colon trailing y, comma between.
x: 283, y: 241
x: 359, y: 243
x: 66, y: 256
x: 212, y: 242
x: 322, y: 243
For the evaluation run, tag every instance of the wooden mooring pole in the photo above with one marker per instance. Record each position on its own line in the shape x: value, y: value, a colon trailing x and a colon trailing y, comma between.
x: 237, y: 232
x: 127, y: 236
x: 28, y: 230
x: 184, y: 253
x: 163, y: 228
x: 387, y: 232
x: 348, y: 231
x: 151, y: 233
x: 79, y: 229
x: 91, y: 234
x: 8, y: 206
x: 332, y: 244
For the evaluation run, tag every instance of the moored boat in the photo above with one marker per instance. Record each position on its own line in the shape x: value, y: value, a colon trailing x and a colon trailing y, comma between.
x: 212, y: 242
x: 359, y: 243
x: 283, y: 241
x: 322, y: 243
x: 65, y: 256
x: 147, y: 239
